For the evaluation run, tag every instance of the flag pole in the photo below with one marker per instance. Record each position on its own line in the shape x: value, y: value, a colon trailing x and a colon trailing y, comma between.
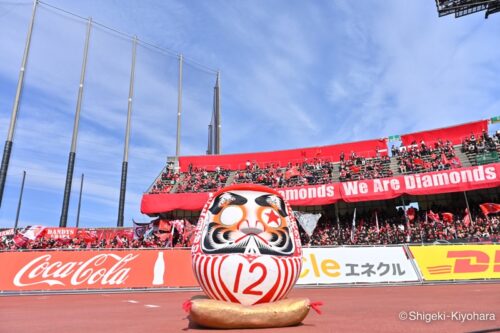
x: 20, y: 200
x: 353, y: 225
x: 338, y: 220
x: 79, y: 203
x: 406, y: 216
x: 468, y: 209
x: 15, y: 108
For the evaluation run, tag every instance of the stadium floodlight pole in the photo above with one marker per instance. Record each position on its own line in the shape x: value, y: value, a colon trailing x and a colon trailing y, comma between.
x: 123, y: 185
x: 179, y: 109
x: 217, y: 115
x: 20, y: 201
x: 15, y: 108
x: 72, y: 153
x: 79, y: 203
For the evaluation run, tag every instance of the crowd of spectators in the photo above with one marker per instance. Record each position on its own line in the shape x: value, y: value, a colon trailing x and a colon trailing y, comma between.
x: 201, y: 180
x: 357, y: 167
x: 482, y: 144
x: 156, y: 239
x: 414, y: 158
x: 420, y: 157
x: 309, y: 172
x: 394, y: 230
x: 166, y: 181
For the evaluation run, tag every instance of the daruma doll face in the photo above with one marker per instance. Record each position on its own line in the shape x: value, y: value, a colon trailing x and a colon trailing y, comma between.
x: 247, y: 247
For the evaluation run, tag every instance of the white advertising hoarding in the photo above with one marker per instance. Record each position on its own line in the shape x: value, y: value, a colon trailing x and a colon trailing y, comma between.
x: 356, y: 265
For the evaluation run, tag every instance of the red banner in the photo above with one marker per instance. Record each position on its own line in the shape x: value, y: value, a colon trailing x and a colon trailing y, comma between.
x: 454, y: 180
x: 282, y: 157
x: 59, y: 233
x: 74, y: 270
x: 454, y: 133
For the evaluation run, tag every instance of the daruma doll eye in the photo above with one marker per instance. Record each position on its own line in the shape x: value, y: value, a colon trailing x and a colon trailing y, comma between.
x: 231, y: 215
x: 271, y: 217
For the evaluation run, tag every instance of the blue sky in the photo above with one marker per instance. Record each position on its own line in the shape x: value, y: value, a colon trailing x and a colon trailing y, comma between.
x: 293, y: 74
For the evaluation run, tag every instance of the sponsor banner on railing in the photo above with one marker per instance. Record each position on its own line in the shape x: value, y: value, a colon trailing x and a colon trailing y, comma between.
x: 74, y: 270
x: 458, y: 262
x: 356, y: 265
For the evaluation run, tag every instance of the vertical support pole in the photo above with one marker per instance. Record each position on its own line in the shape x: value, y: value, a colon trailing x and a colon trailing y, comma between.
x: 123, y: 185
x: 179, y: 109
x: 15, y: 108
x: 72, y: 153
x: 210, y: 148
x: 20, y: 201
x: 406, y: 219
x: 79, y: 203
x: 338, y: 221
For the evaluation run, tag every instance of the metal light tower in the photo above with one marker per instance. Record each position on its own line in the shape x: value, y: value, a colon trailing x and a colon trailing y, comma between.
x: 72, y: 154
x: 15, y: 109
x: 123, y: 186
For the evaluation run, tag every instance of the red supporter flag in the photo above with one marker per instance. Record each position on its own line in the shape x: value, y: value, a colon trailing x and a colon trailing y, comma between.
x: 467, y: 218
x: 165, y: 225
x: 411, y: 214
x: 447, y: 217
x: 292, y: 172
x: 189, y: 230
x: 178, y: 225
x: 355, y: 169
x: 20, y: 240
x: 418, y: 161
x: 444, y: 159
x: 164, y: 236
x: 433, y: 216
x: 490, y: 208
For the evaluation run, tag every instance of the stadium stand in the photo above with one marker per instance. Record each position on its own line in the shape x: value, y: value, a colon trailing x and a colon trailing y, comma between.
x: 180, y: 191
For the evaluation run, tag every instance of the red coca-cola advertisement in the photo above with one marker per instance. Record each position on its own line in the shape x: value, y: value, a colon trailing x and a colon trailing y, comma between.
x: 73, y: 270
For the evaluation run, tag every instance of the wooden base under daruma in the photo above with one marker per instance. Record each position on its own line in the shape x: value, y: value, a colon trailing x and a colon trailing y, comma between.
x: 219, y: 314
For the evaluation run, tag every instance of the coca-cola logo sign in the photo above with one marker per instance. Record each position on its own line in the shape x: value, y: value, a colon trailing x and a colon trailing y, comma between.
x: 102, y: 269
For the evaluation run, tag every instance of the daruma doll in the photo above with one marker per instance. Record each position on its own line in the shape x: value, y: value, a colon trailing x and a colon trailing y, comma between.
x: 247, y: 248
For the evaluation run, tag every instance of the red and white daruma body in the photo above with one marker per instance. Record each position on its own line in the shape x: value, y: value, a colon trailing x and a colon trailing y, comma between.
x: 247, y: 247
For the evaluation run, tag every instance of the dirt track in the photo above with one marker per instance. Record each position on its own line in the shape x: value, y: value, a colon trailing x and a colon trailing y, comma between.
x: 374, y: 309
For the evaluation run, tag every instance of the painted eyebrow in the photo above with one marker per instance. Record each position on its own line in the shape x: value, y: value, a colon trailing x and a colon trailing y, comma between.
x: 263, y: 201
x: 238, y: 200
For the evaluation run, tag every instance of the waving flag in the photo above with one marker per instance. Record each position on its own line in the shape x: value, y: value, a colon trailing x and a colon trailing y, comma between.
x: 353, y: 225
x: 447, y: 217
x: 179, y: 225
x: 307, y: 221
x: 292, y: 172
x: 467, y: 218
x: 490, y: 208
x: 32, y: 232
x: 411, y: 214
x: 433, y: 216
x: 141, y: 229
